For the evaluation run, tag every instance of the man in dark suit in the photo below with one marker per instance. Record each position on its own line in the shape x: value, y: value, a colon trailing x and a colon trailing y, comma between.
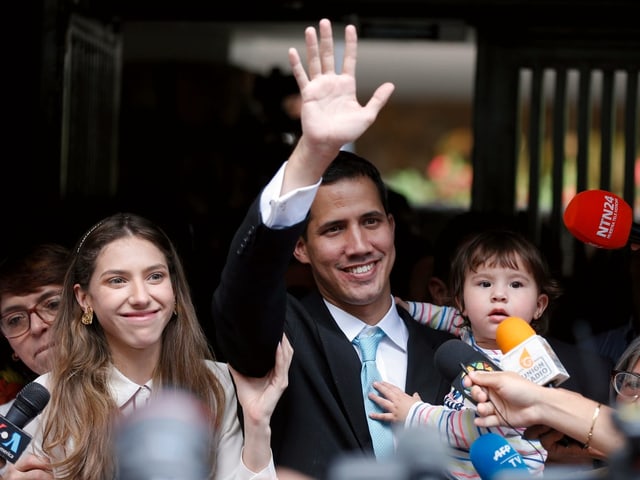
x: 329, y: 208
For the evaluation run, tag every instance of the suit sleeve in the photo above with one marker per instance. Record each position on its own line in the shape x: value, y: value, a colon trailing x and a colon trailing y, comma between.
x: 250, y: 302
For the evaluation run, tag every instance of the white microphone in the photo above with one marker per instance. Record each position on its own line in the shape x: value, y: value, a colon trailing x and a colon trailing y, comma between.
x: 528, y: 354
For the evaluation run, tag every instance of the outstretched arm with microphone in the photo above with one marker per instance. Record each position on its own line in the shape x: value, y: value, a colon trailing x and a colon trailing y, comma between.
x: 506, y: 398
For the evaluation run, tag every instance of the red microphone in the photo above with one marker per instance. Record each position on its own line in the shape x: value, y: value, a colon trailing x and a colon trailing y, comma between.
x: 602, y: 219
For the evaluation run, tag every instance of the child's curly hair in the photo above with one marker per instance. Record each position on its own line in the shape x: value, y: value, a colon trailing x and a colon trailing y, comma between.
x: 503, y: 248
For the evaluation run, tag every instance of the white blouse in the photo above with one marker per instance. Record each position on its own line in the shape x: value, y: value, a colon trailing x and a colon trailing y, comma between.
x: 130, y: 396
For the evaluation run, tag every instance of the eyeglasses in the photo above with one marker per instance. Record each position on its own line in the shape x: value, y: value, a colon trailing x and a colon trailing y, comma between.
x: 16, y: 323
x: 626, y: 384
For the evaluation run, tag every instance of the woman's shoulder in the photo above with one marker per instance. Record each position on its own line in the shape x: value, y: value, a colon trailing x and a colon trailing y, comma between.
x: 221, y: 371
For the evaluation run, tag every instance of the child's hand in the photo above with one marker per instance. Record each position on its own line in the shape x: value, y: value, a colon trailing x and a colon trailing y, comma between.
x: 402, y: 303
x: 394, y: 401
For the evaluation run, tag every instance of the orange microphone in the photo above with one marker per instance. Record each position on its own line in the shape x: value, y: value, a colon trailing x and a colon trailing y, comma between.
x: 602, y: 219
x: 528, y: 354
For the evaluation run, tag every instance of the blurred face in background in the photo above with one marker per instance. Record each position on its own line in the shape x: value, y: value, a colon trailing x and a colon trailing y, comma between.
x: 627, y: 384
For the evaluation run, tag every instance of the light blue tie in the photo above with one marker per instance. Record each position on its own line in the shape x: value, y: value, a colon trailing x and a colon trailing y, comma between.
x: 381, y: 434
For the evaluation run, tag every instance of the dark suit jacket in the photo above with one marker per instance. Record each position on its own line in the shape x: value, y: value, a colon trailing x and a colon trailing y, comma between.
x: 321, y: 414
x: 589, y: 372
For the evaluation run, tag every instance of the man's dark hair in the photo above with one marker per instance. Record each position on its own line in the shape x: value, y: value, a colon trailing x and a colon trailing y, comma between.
x: 349, y: 165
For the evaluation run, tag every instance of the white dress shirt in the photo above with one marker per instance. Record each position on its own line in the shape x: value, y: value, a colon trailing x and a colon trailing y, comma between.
x: 391, y: 356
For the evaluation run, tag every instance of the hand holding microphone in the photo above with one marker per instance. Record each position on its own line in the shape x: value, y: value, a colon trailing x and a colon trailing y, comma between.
x: 507, y: 399
x: 601, y: 219
x: 503, y: 399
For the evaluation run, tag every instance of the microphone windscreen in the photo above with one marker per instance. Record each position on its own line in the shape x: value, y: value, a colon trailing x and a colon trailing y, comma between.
x: 422, y: 449
x: 599, y: 218
x: 511, y: 332
x: 493, y: 457
x: 420, y: 454
x: 167, y: 439
x: 453, y: 353
x: 28, y: 404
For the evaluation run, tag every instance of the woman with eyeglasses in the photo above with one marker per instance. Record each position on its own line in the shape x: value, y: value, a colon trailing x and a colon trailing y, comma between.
x: 30, y: 283
x: 625, y: 380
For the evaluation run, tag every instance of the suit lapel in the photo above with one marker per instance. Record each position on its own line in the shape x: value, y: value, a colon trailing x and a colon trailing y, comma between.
x: 422, y: 376
x: 344, y: 368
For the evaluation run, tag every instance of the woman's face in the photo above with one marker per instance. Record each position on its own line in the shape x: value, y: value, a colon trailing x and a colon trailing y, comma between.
x: 630, y: 386
x: 131, y: 294
x: 37, y: 311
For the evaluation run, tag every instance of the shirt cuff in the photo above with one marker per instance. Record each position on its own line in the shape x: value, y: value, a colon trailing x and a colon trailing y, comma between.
x: 284, y: 211
x: 267, y: 473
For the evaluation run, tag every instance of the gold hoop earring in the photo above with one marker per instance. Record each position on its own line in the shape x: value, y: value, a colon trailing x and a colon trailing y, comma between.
x: 87, y: 316
x: 15, y: 357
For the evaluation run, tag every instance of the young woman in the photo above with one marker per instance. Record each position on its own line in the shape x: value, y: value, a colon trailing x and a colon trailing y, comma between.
x: 126, y: 331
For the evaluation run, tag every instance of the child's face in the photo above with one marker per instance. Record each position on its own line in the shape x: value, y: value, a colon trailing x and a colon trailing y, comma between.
x: 493, y: 293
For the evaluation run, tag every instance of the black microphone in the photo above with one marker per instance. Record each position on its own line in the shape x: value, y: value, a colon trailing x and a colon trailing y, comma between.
x: 168, y: 439
x: 454, y: 359
x: 29, y: 402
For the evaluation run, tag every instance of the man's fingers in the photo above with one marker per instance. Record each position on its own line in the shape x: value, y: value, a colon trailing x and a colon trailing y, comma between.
x: 313, y: 55
x: 350, y: 50
x: 297, y: 69
x: 327, y: 53
x: 380, y: 97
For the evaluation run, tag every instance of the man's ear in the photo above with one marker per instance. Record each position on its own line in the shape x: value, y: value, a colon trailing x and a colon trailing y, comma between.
x: 300, y: 251
x: 438, y: 291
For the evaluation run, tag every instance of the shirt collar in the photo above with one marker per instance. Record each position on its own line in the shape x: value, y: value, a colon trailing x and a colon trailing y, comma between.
x: 391, y: 324
x: 128, y: 395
